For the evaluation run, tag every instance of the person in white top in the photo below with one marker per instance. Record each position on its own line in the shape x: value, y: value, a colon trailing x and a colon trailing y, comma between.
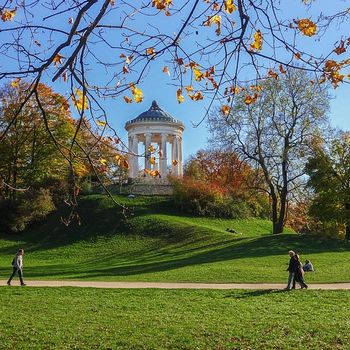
x: 17, y: 264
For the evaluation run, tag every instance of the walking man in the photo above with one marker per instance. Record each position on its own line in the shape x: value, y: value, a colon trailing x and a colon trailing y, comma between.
x: 291, y: 268
x: 17, y: 264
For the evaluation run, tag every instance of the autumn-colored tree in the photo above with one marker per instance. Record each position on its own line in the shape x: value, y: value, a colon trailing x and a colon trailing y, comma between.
x: 274, y: 133
x: 27, y: 154
x: 223, y: 170
x: 329, y: 173
x: 210, y: 48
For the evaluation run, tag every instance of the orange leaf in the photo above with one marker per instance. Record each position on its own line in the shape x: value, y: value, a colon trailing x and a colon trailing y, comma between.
x: 58, y: 59
x: 127, y: 99
x: 307, y: 27
x: 282, y: 70
x: 225, y: 110
x: 8, y: 15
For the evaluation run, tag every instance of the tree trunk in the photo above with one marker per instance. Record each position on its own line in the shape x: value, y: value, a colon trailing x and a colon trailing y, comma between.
x: 275, y: 221
x: 347, y: 225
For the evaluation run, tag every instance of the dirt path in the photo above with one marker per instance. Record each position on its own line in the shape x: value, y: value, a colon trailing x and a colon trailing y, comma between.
x: 171, y: 285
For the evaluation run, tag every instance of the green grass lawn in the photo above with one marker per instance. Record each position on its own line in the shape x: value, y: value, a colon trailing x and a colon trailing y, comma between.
x: 76, y: 318
x: 159, y: 244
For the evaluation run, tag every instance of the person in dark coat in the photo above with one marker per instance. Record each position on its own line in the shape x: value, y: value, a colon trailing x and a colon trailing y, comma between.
x: 17, y: 264
x: 291, y: 269
x: 299, y: 273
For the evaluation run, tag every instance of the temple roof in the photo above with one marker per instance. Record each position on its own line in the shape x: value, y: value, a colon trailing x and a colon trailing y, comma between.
x: 154, y: 114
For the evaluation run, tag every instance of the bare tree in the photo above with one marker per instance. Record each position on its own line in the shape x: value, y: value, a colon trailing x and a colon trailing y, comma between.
x: 274, y: 133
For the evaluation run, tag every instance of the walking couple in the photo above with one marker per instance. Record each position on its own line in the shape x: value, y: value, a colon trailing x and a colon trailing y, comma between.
x: 296, y: 272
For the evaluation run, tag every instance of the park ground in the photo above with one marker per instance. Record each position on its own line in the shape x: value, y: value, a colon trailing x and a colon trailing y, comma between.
x: 157, y: 244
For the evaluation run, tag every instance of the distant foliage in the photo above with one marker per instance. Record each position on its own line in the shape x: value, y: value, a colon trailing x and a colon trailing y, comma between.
x: 217, y: 184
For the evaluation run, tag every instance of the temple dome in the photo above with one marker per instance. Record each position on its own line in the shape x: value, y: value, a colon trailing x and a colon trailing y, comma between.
x: 154, y: 114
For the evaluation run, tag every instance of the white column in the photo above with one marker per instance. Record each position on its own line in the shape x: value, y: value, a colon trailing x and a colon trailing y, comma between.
x: 175, y: 155
x: 147, y: 153
x: 135, y: 161
x: 180, y: 158
x: 130, y: 158
x: 163, y: 158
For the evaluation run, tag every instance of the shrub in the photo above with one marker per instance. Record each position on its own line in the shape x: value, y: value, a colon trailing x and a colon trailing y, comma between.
x: 199, y: 198
x: 31, y: 207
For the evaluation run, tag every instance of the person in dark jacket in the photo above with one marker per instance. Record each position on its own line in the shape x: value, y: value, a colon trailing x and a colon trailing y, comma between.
x: 299, y: 273
x: 17, y: 264
x: 291, y: 269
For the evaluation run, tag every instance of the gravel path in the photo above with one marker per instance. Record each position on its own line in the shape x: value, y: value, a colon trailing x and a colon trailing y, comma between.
x: 171, y: 285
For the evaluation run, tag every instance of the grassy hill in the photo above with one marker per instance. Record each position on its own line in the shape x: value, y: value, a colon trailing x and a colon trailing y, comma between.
x: 159, y: 244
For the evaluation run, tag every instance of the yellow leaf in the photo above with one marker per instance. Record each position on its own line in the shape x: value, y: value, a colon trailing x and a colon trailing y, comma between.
x: 180, y: 97
x: 189, y: 88
x: 307, y: 27
x: 8, y: 15
x: 100, y: 123
x: 229, y: 6
x: 102, y: 161
x: 14, y: 83
x: 198, y: 75
x: 78, y: 99
x: 151, y: 149
x: 58, y: 59
x: 258, y: 41
x: 152, y: 160
x: 137, y: 93
x: 175, y: 162
x: 216, y: 19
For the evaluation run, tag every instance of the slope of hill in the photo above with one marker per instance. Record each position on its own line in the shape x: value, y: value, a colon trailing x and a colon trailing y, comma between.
x: 159, y: 244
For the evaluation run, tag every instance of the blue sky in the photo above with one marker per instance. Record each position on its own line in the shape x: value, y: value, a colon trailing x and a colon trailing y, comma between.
x: 160, y: 87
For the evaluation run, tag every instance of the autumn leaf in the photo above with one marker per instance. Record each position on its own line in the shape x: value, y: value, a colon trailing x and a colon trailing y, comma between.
x: 189, y: 88
x: 8, y: 15
x: 103, y: 161
x: 272, y: 74
x: 282, y: 70
x: 162, y: 4
x: 127, y: 99
x: 152, y: 160
x: 78, y: 99
x: 306, y: 26
x: 100, y: 123
x: 341, y: 48
x: 151, y: 149
x: 225, y: 110
x: 125, y: 70
x: 297, y: 55
x: 258, y: 41
x: 229, y: 6
x: 150, y: 51
x: 166, y: 70
x: 216, y: 19
x: 179, y: 96
x: 179, y: 61
x: 58, y: 59
x: 65, y: 76
x: 137, y: 93
x: 196, y: 96
x: 250, y: 99
x: 14, y: 83
x: 175, y: 162
x: 198, y: 75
